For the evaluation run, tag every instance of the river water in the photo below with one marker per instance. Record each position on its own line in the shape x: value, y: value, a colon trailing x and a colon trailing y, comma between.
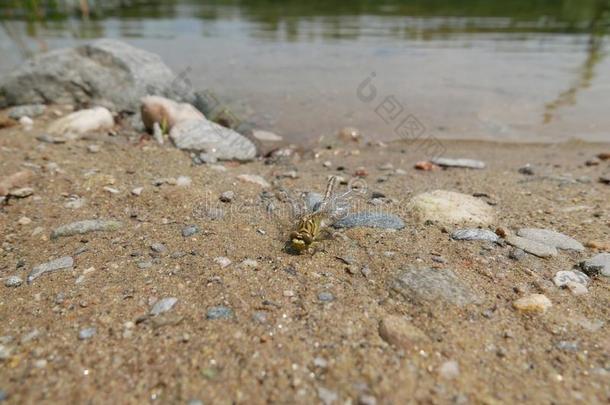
x: 515, y: 70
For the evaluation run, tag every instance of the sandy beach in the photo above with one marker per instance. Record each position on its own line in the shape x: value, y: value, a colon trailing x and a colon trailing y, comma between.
x: 193, y: 297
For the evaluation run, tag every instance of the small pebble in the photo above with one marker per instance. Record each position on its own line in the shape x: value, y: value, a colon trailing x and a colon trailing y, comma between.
x: 163, y: 305
x: 158, y: 247
x: 137, y: 191
x: 449, y: 370
x: 93, y: 148
x: 219, y: 312
x: 86, y: 333
x: 534, y: 304
x: 326, y: 296
x: 24, y: 221
x: 190, y: 230
x: 222, y: 261
x: 227, y: 196
x: 144, y: 265
x: 254, y: 179
x: 13, y: 281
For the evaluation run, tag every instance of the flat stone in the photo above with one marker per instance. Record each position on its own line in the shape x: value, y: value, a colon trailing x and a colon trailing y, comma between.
x: 533, y: 304
x: 190, y: 230
x: 207, y: 136
x: 532, y: 247
x: 370, y: 219
x: 163, y: 305
x: 32, y: 111
x: 562, y: 278
x: 598, y: 265
x: 430, y: 285
x: 13, y: 281
x: 62, y: 263
x: 86, y: 226
x: 551, y: 238
x: 398, y: 331
x: 463, y: 163
x: 451, y: 208
x: 475, y: 234
x: 219, y: 312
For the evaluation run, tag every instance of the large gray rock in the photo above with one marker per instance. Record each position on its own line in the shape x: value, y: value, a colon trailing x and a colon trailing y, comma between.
x: 429, y: 285
x: 207, y: 136
x: 100, y: 72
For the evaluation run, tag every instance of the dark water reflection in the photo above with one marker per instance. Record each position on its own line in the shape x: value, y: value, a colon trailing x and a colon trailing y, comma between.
x: 513, y: 69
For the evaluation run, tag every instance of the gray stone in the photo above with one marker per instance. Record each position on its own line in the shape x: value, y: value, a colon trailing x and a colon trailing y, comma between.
x: 326, y: 296
x: 144, y: 265
x: 219, y: 312
x: 562, y: 278
x: 370, y: 219
x: 32, y: 111
x: 86, y: 226
x: 532, y: 247
x: 62, y: 263
x: 13, y: 281
x: 86, y: 333
x: 207, y: 136
x: 464, y: 163
x: 158, y: 247
x: 475, y: 234
x: 102, y: 72
x: 597, y: 265
x: 429, y: 285
x: 163, y: 305
x: 190, y: 230
x: 227, y: 196
x: 551, y: 238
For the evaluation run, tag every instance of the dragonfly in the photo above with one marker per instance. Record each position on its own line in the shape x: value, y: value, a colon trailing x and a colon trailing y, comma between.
x: 314, y: 223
